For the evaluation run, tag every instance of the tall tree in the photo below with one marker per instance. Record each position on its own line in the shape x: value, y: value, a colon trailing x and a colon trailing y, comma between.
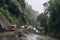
x: 54, y: 19
x: 42, y: 18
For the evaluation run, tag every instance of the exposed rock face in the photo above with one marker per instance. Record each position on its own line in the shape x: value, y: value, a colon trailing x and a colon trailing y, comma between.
x: 4, y: 23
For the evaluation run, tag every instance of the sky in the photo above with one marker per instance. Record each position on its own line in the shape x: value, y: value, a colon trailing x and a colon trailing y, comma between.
x: 37, y: 5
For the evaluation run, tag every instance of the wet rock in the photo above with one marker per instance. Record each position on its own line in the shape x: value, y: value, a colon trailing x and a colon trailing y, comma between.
x: 12, y: 35
x: 19, y: 32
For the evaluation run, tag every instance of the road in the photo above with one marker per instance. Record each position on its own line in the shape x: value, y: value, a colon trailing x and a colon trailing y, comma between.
x: 38, y: 37
x: 17, y: 35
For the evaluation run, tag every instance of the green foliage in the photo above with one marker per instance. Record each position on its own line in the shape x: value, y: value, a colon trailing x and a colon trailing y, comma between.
x: 22, y: 3
x: 15, y: 12
x: 53, y: 8
x: 42, y: 18
x: 54, y: 14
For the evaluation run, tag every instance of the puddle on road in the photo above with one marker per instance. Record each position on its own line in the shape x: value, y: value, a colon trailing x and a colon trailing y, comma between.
x: 32, y: 37
x: 37, y: 37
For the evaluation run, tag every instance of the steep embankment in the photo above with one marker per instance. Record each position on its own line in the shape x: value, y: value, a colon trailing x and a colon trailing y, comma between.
x: 4, y: 23
x: 14, y: 12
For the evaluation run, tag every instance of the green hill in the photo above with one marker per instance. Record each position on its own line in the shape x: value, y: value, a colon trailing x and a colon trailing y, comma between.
x: 15, y: 12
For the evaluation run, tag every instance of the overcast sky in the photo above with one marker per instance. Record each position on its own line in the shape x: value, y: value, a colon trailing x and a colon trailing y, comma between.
x: 37, y: 4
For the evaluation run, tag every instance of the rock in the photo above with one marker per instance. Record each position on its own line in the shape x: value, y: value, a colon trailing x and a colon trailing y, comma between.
x: 19, y: 32
x: 12, y: 35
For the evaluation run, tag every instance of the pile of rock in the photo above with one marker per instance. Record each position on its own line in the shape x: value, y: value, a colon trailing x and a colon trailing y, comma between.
x: 16, y: 35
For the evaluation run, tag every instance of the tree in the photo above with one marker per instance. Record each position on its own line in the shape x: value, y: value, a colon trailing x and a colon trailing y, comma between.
x: 42, y: 18
x: 54, y: 20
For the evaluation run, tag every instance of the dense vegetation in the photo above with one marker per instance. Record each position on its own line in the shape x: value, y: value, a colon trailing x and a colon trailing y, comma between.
x: 42, y: 19
x: 16, y: 12
x: 51, y: 21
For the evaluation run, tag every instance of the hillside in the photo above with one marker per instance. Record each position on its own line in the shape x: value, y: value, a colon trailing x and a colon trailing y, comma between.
x: 15, y: 12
